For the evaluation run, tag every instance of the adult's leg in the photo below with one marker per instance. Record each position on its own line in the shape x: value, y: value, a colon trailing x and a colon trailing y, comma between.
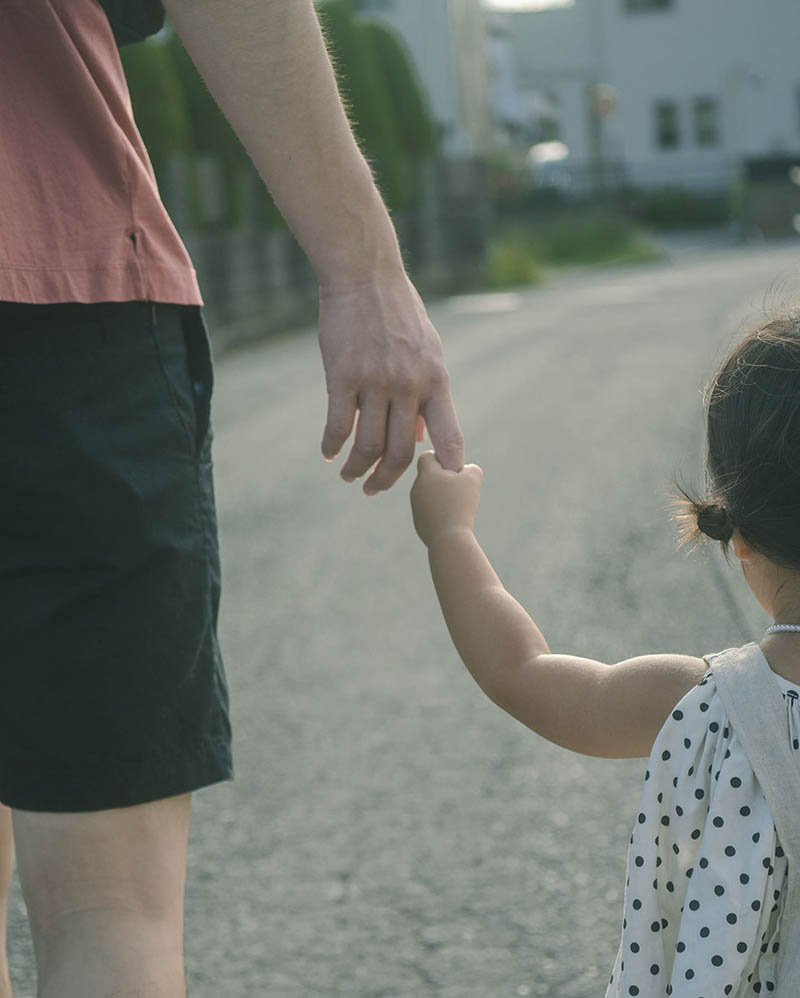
x: 104, y: 892
x: 6, y: 870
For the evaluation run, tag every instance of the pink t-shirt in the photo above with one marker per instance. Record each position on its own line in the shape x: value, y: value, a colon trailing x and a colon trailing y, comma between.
x: 81, y: 219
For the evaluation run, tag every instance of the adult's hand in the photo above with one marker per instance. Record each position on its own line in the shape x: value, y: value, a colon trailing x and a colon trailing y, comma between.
x: 383, y: 358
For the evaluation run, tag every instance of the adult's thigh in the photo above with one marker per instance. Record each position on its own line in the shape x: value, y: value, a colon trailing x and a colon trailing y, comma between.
x: 127, y: 859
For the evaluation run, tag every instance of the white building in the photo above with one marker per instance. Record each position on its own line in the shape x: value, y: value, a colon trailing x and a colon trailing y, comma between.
x: 446, y: 40
x: 697, y: 86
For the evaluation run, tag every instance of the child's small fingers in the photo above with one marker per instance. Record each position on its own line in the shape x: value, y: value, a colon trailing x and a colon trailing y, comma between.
x: 427, y: 460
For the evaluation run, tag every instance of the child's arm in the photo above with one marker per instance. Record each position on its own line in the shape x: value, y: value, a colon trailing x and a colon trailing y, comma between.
x: 578, y: 703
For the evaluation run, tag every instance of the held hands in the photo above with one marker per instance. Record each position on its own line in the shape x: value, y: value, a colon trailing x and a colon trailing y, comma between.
x: 383, y: 358
x: 443, y: 500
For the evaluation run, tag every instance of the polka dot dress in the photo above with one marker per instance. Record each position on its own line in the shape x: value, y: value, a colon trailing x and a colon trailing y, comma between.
x: 707, y: 876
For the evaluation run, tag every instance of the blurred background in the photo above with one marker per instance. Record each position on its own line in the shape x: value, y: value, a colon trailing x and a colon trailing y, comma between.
x: 507, y: 137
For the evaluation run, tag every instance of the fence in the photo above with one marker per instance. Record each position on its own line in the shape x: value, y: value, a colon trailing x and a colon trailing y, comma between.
x: 257, y: 280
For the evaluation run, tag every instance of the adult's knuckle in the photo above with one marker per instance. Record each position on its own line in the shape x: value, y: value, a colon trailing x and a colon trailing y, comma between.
x: 439, y: 376
x: 454, y: 441
x: 369, y: 451
x: 405, y: 383
x: 338, y: 427
x: 400, y: 458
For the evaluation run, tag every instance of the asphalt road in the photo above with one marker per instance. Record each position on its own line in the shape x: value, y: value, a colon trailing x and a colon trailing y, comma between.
x: 390, y: 832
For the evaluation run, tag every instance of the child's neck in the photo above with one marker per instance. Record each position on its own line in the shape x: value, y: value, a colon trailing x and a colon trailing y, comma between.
x: 782, y: 651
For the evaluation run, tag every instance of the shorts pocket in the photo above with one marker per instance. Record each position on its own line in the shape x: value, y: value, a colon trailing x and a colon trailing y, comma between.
x: 170, y: 347
x: 201, y: 374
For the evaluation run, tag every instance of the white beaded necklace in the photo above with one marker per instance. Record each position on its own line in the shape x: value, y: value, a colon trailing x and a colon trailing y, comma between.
x: 782, y: 627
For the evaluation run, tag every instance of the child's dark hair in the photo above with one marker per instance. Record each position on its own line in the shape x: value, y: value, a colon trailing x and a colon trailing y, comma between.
x: 752, y: 447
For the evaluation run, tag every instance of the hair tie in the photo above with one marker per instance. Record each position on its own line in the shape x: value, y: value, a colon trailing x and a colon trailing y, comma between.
x: 714, y: 520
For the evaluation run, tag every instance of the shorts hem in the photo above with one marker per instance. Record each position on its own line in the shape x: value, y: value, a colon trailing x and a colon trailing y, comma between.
x: 205, y: 764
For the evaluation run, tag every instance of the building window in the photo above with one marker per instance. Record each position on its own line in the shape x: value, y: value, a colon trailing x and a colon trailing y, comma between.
x: 706, y: 121
x: 634, y: 6
x: 666, y: 121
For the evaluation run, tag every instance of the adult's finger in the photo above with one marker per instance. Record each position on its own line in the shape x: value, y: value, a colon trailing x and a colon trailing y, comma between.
x: 444, y: 430
x: 400, y: 446
x: 339, y: 426
x: 370, y: 441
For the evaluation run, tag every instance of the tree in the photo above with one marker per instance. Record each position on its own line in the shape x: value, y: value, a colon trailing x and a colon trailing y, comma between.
x: 159, y: 107
x: 379, y: 86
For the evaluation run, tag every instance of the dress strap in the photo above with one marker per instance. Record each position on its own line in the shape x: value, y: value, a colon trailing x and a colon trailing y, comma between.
x: 758, y: 713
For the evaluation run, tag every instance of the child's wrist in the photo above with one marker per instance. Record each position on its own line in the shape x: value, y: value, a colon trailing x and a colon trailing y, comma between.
x: 449, y: 533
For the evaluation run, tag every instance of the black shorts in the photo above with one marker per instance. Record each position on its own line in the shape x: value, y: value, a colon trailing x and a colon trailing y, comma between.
x: 112, y: 687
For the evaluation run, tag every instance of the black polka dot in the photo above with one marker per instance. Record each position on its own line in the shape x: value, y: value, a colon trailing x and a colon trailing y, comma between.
x: 717, y: 961
x: 730, y: 851
x: 736, y: 782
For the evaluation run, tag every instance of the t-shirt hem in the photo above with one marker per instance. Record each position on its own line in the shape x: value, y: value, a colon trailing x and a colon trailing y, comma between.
x: 173, y: 285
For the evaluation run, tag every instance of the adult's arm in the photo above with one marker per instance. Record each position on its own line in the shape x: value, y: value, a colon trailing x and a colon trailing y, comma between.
x: 266, y: 65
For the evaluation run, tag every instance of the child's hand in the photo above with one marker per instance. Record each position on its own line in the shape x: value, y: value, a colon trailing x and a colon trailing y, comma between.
x: 443, y: 500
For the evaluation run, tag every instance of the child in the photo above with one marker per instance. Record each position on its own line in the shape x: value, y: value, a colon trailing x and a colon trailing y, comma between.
x: 712, y: 898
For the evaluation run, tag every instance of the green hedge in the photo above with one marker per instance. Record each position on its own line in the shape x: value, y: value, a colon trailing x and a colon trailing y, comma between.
x: 381, y: 92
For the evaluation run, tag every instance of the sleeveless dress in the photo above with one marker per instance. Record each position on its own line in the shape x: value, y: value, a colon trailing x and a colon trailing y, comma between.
x: 707, y: 875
